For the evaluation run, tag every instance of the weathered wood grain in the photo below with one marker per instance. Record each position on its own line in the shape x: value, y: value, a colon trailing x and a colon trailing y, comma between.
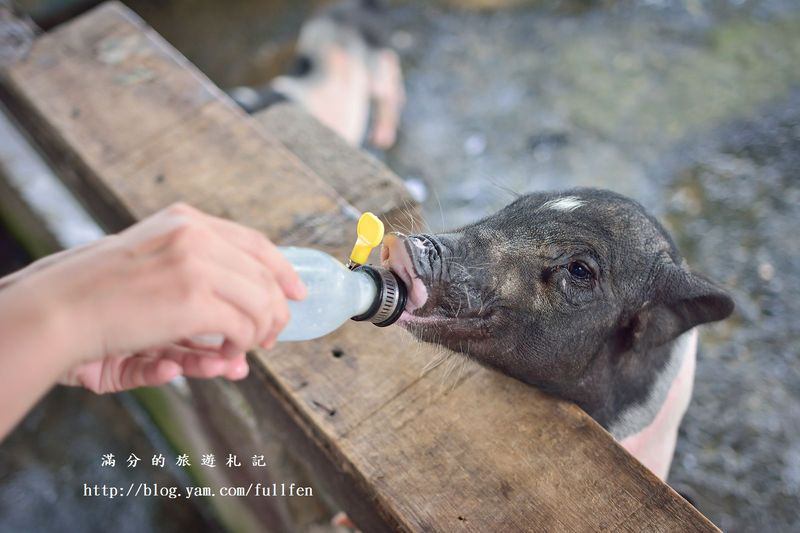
x: 121, y: 113
x: 359, y: 178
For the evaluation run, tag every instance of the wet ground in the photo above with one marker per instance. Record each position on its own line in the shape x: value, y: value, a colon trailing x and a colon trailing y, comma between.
x: 735, y: 206
x: 690, y: 106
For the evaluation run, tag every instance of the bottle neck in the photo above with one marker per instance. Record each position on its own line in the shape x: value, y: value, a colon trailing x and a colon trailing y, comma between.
x: 365, y: 292
x: 390, y: 295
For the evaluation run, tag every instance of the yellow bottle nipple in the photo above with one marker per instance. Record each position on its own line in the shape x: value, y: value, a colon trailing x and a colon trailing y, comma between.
x: 370, y: 235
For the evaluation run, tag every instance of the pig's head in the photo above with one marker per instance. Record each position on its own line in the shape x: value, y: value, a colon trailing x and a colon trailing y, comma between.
x: 557, y: 290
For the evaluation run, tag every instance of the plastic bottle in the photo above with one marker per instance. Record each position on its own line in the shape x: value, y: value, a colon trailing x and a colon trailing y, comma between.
x: 336, y: 293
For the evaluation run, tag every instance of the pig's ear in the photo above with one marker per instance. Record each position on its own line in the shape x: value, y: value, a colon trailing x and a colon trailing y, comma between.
x: 680, y: 301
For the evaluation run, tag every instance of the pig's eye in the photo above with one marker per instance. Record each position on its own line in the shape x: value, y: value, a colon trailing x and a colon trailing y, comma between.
x: 578, y: 270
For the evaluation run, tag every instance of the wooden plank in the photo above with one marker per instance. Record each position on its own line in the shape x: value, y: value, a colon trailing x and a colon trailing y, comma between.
x: 356, y: 176
x: 396, y: 449
x: 360, y: 179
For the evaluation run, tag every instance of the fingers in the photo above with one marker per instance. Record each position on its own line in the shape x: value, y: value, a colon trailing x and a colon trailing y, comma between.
x: 262, y: 305
x: 227, y: 319
x: 264, y: 251
x: 176, y: 275
x: 200, y: 344
x: 280, y: 317
x: 241, y: 296
x: 251, y: 241
x: 114, y: 374
x: 196, y: 364
x: 237, y: 368
x: 240, y: 263
x: 202, y: 364
x: 156, y: 368
x: 136, y: 372
x: 272, y: 310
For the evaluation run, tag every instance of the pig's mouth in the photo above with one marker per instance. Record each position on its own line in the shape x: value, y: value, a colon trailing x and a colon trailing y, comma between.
x: 397, y: 257
x: 424, y: 316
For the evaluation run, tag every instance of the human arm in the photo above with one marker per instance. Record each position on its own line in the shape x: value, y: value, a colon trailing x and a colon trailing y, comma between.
x: 121, y: 312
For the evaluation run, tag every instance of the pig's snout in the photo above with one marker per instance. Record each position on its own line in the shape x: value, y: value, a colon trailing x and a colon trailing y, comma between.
x: 398, y: 256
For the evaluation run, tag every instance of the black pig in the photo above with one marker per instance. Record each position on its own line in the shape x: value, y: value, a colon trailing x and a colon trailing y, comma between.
x: 582, y: 294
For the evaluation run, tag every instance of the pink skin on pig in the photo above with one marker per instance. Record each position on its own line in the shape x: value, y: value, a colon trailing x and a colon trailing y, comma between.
x: 395, y: 258
x: 654, y: 445
x: 341, y: 95
x: 339, y: 98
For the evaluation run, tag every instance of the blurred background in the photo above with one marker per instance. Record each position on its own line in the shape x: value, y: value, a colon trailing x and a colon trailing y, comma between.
x: 691, y: 107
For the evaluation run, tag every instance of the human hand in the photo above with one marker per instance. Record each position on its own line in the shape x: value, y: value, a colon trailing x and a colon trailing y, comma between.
x: 128, y: 305
x: 154, y: 367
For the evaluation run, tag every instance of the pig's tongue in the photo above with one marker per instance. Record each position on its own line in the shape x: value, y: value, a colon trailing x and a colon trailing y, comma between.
x: 395, y: 258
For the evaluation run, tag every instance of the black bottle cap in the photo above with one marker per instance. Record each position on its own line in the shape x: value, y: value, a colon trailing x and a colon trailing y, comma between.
x: 390, y: 297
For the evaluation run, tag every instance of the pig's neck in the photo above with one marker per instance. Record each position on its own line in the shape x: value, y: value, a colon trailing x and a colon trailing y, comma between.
x: 625, y: 392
